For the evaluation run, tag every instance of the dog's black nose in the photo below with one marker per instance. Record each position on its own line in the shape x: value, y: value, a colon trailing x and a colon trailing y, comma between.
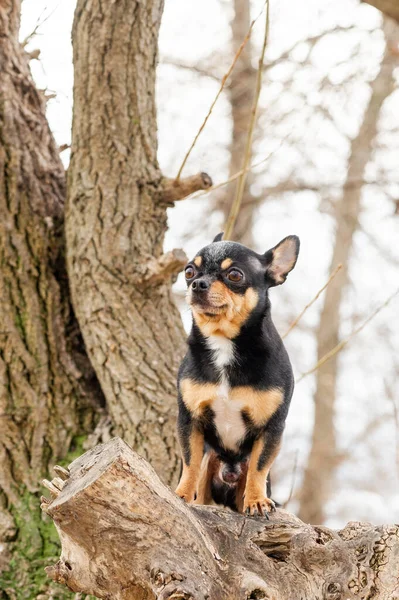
x: 200, y: 285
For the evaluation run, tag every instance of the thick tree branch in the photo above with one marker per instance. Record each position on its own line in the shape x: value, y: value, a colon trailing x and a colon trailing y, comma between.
x: 177, y: 189
x: 127, y: 536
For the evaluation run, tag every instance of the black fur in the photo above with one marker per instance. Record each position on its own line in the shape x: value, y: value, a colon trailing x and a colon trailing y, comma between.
x: 261, y: 360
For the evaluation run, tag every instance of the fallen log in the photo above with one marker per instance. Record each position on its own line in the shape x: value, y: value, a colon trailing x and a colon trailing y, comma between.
x: 127, y: 536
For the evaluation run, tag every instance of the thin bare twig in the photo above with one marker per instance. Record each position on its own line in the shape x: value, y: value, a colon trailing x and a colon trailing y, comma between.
x: 293, y: 478
x: 321, y: 290
x: 396, y: 420
x: 237, y: 175
x: 344, y: 342
x: 202, y: 71
x: 312, y: 41
x: 235, y: 208
x: 224, y: 79
x: 40, y: 21
x: 362, y: 437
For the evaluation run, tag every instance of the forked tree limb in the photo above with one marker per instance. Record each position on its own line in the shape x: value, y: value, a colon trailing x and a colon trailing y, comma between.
x: 127, y: 536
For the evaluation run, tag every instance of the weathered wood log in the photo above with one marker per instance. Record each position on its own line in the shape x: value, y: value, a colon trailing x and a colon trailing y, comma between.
x: 125, y: 535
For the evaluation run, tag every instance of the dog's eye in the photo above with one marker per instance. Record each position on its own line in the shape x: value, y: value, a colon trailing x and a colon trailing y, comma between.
x: 189, y: 272
x: 234, y: 275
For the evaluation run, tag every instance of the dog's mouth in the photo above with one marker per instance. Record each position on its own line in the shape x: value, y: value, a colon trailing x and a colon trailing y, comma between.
x: 209, y: 305
x: 209, y: 310
x: 212, y: 311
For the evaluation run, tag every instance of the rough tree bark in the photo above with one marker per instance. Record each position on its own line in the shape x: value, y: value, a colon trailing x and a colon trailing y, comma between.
x: 241, y: 92
x: 128, y: 537
x: 116, y: 221
x: 323, y: 458
x: 47, y: 386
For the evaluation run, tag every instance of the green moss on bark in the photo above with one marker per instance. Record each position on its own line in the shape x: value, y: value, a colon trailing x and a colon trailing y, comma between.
x: 36, y: 546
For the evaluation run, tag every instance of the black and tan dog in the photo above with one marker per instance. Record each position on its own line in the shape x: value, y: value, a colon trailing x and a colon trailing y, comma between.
x: 235, y: 382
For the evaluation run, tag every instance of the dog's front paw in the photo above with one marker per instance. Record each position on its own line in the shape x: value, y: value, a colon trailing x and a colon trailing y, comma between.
x: 186, y: 493
x: 258, y: 505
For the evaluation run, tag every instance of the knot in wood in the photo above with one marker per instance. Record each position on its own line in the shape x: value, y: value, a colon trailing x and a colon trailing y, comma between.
x: 258, y: 595
x: 333, y: 591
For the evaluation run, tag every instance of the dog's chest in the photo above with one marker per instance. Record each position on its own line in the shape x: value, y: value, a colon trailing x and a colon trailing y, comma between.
x: 228, y: 419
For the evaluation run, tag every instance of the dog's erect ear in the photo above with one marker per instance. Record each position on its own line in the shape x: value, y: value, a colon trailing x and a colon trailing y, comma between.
x: 281, y: 259
x: 219, y: 237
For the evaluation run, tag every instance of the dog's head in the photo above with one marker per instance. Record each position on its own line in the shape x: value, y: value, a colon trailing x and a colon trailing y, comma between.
x: 228, y: 282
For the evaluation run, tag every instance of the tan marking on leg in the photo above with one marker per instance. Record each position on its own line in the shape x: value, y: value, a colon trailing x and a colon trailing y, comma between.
x: 189, y: 480
x: 259, y: 405
x: 226, y: 263
x: 197, y: 396
x: 197, y: 261
x: 255, y: 499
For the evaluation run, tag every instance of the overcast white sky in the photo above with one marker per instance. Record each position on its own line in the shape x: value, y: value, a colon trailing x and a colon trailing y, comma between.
x: 296, y: 97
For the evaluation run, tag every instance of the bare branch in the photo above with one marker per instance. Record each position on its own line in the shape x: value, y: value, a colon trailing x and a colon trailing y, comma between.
x: 224, y: 79
x: 299, y: 317
x: 344, y: 342
x: 235, y: 208
x: 177, y: 189
x: 203, y: 71
x: 239, y: 173
x: 312, y: 41
x: 41, y: 20
x: 293, y: 479
x: 391, y: 397
x: 362, y: 437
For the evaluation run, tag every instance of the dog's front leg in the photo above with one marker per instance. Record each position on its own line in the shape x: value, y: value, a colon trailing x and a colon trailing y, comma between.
x: 264, y: 452
x: 192, y: 445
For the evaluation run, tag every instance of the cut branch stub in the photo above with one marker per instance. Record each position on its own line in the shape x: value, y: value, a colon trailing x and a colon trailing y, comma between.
x: 177, y: 189
x: 61, y: 472
x: 159, y: 270
x: 126, y: 536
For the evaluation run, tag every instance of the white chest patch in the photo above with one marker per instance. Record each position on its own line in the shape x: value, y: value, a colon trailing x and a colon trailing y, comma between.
x: 223, y: 350
x: 228, y: 420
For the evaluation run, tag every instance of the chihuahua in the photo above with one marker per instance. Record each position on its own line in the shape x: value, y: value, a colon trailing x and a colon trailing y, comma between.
x: 235, y: 383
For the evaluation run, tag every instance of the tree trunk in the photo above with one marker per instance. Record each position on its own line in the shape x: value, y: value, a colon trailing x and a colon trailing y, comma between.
x: 319, y: 474
x: 45, y: 378
x: 126, y: 536
x: 115, y: 225
x: 241, y: 91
